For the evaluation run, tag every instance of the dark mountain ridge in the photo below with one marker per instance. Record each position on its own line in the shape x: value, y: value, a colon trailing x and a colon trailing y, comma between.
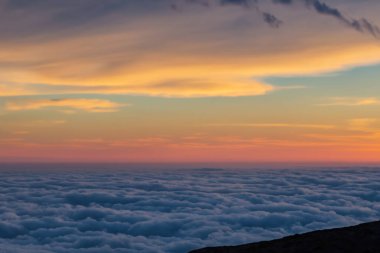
x: 363, y: 238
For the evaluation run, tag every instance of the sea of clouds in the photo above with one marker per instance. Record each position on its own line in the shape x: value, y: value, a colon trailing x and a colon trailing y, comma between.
x: 174, y: 211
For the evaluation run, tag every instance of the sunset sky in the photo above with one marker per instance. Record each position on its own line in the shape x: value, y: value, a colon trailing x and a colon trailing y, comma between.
x: 189, y: 81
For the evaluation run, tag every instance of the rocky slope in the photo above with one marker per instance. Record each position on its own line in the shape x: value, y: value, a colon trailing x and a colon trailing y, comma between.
x: 364, y: 238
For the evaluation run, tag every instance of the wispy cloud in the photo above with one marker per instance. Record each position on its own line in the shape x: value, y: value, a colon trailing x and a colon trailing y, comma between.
x: 20, y: 132
x: 351, y: 101
x: 151, y: 50
x: 276, y: 125
x: 361, y: 24
x: 363, y: 124
x: 88, y: 105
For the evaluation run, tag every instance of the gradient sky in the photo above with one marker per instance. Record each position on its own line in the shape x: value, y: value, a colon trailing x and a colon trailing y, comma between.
x: 189, y: 80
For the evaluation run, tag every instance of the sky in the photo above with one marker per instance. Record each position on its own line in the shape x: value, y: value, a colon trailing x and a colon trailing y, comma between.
x: 189, y: 81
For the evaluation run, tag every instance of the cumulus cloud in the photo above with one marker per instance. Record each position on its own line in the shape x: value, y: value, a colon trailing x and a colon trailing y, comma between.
x: 88, y: 105
x: 174, y: 211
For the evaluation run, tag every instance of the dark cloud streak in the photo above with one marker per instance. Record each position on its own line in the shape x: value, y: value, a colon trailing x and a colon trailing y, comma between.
x: 71, y: 13
x: 272, y: 20
x: 361, y: 25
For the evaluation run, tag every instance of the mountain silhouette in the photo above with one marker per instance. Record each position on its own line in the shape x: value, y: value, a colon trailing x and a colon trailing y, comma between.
x: 363, y: 238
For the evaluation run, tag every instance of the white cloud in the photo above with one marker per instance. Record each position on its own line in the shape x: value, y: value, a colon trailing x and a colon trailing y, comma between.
x: 176, y: 211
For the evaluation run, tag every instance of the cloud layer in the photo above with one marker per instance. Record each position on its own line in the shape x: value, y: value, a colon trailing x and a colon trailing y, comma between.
x: 173, y: 211
x: 147, y: 48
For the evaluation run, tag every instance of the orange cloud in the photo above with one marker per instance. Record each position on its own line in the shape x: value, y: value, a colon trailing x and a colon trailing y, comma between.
x: 88, y: 105
x: 363, y: 124
x: 181, y: 55
x: 278, y: 125
x: 351, y: 101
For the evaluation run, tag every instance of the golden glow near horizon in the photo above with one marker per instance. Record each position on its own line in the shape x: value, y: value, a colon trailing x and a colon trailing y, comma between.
x: 88, y: 105
x: 177, y: 81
